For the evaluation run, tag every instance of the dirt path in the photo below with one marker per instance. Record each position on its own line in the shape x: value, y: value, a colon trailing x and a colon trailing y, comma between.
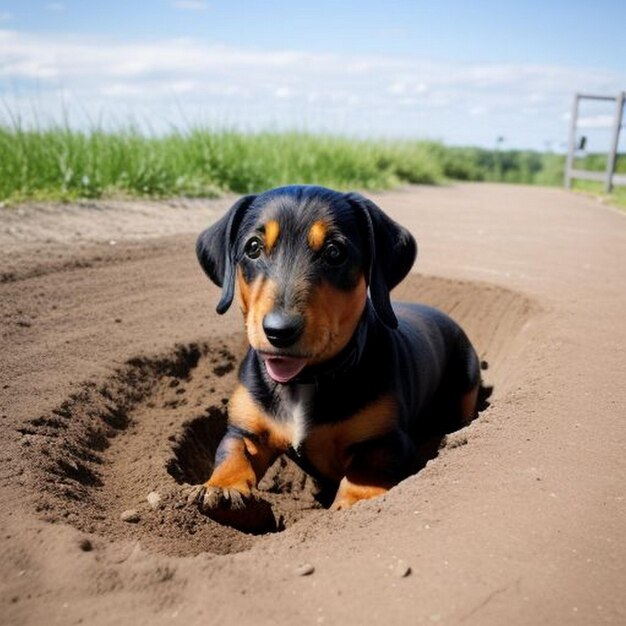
x: 114, y: 367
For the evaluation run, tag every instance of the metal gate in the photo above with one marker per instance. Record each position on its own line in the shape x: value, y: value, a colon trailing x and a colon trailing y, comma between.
x: 609, y: 177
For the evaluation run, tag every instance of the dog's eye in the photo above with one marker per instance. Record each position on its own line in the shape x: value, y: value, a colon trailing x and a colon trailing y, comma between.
x: 335, y: 253
x: 253, y: 248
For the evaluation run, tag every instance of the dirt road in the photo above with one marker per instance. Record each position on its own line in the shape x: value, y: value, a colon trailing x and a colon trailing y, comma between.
x: 115, y: 367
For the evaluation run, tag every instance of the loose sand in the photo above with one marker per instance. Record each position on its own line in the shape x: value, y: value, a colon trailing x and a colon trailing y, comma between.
x: 114, y: 375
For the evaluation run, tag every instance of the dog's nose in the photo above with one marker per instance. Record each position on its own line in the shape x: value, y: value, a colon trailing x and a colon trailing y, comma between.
x: 283, y: 330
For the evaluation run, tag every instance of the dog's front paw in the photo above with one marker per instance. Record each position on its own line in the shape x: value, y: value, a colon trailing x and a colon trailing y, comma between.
x: 216, y: 498
x: 228, y: 506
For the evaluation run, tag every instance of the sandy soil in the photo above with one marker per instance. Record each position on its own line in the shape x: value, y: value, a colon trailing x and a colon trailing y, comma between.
x: 114, y: 375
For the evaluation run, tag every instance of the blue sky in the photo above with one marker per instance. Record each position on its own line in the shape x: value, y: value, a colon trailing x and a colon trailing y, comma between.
x: 461, y: 72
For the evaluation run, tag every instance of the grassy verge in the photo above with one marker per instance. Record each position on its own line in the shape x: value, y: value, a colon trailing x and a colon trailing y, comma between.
x: 597, y: 163
x: 64, y: 164
x: 617, y: 197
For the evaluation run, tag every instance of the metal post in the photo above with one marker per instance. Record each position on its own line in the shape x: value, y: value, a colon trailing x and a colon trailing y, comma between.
x: 611, y: 157
x: 569, y: 164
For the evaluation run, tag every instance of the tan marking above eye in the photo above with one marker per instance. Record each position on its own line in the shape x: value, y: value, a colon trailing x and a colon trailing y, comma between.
x: 317, y: 235
x: 272, y: 230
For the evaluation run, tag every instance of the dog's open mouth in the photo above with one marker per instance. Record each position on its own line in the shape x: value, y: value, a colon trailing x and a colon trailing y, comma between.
x: 282, y: 369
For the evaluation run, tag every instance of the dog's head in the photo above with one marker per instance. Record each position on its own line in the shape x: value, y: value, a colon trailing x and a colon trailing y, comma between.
x: 303, y: 258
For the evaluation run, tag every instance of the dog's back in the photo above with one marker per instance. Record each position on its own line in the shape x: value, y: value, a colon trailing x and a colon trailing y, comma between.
x: 432, y: 397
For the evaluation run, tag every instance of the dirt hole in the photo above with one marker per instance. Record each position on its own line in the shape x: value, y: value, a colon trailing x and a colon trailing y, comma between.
x: 155, y: 423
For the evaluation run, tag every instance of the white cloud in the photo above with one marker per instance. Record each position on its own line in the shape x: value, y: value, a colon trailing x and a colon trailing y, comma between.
x: 363, y: 95
x: 283, y: 92
x: 596, y: 121
x: 477, y: 111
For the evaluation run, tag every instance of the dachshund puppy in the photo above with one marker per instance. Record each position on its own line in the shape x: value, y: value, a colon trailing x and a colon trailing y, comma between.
x: 335, y: 376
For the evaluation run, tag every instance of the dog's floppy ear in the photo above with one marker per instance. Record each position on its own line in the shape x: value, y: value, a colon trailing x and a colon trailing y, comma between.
x: 215, y: 248
x: 392, y: 251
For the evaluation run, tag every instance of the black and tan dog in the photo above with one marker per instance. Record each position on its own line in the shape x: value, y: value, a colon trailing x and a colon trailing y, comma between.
x: 344, y: 383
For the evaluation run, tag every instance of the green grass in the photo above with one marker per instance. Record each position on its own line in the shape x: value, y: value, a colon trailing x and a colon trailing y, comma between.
x: 64, y: 164
x: 597, y: 163
x: 617, y: 197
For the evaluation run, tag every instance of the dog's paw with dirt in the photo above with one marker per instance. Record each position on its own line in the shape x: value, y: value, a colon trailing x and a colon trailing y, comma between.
x: 246, y: 512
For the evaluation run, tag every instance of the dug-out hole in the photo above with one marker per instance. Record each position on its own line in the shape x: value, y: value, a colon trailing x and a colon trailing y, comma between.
x: 194, y: 449
x: 155, y: 423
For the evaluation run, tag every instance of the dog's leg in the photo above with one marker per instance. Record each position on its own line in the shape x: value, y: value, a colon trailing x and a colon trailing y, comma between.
x: 469, y: 405
x: 354, y: 487
x: 251, y: 444
x: 469, y: 378
x: 227, y: 496
x: 240, y: 463
x: 375, y: 467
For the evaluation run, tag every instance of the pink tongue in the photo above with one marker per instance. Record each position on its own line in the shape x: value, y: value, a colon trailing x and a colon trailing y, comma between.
x: 283, y: 369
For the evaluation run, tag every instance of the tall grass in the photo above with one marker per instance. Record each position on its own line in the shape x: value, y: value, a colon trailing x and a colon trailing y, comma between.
x: 64, y: 164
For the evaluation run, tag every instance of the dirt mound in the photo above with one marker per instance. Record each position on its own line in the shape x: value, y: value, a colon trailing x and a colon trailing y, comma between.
x: 114, y: 458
